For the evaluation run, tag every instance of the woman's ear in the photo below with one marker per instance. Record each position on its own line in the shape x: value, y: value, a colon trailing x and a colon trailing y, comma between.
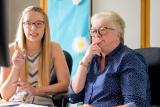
x: 120, y: 36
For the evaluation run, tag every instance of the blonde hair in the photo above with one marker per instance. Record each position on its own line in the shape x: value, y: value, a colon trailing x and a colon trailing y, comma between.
x: 114, y: 19
x: 45, y: 55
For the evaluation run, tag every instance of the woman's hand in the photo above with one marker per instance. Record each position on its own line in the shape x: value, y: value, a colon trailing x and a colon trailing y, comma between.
x: 93, y: 50
x: 86, y: 105
x: 18, y: 57
x: 24, y: 86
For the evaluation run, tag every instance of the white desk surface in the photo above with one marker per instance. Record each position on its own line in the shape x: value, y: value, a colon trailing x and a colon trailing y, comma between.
x: 3, y: 103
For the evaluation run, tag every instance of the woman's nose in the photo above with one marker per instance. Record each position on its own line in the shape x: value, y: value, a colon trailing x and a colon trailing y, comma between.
x: 33, y: 26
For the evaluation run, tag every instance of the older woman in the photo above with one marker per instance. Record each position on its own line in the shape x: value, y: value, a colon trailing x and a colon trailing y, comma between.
x: 110, y: 74
x: 33, y: 59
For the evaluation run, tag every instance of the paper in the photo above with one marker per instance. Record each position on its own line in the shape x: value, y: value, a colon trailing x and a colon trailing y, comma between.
x: 14, y: 104
x: 9, y: 104
x: 30, y: 105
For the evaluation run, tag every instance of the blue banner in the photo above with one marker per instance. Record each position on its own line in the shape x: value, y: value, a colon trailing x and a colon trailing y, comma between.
x: 70, y: 23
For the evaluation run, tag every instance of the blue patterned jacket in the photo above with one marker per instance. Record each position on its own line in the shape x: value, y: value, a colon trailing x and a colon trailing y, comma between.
x: 124, y: 81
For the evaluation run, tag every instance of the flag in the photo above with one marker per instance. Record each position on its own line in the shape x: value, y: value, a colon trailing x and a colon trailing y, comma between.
x: 70, y: 22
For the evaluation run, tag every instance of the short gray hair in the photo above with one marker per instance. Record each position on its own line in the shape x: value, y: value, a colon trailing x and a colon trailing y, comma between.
x: 114, y: 19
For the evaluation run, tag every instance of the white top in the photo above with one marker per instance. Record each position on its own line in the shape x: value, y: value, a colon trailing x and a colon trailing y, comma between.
x: 23, y: 96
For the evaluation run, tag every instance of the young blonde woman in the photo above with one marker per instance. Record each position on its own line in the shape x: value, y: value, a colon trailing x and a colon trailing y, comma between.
x: 33, y: 59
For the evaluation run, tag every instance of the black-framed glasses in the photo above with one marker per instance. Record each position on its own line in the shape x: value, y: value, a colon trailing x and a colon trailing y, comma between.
x: 101, y: 31
x: 37, y: 24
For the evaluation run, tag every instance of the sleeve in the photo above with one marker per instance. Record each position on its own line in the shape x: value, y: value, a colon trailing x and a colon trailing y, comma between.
x: 74, y: 98
x: 134, y: 80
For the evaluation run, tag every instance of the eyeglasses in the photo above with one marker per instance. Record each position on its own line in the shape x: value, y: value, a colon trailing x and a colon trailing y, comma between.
x: 101, y: 31
x: 37, y: 24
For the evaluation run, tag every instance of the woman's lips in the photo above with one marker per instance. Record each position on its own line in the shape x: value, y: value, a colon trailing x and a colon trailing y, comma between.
x: 33, y: 35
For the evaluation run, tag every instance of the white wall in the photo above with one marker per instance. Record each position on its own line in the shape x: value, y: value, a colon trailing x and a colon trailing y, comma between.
x: 155, y: 23
x: 130, y: 12
x: 128, y: 9
x: 14, y: 9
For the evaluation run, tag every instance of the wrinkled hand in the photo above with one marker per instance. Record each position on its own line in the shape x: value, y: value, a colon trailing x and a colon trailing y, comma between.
x: 93, y: 50
x: 24, y: 86
x: 18, y: 58
x: 86, y: 105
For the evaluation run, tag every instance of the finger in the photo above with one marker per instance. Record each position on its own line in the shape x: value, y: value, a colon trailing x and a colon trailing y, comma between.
x: 24, y: 52
x: 20, y: 89
x: 102, y: 54
x: 19, y: 83
x: 23, y: 88
x: 19, y: 59
x: 16, y: 47
x: 15, y: 83
x: 23, y: 83
x: 97, y: 48
x: 18, y: 50
x: 96, y: 41
x: 96, y: 53
x: 20, y: 55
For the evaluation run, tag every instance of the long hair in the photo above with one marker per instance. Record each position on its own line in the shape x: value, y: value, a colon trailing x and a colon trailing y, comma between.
x: 45, y: 55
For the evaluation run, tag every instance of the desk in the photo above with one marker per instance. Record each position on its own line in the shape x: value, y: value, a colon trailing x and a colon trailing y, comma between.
x: 4, y: 103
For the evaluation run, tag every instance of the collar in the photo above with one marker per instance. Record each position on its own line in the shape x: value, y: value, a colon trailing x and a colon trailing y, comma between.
x: 113, y: 53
